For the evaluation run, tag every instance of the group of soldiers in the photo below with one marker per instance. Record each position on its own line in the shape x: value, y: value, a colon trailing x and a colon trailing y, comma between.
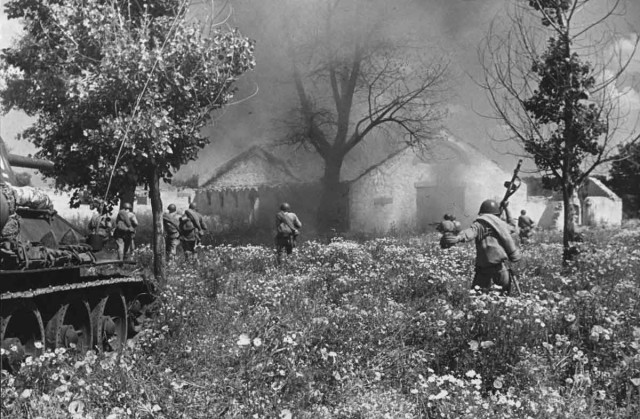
x: 186, y: 229
x: 123, y: 228
x: 492, y: 233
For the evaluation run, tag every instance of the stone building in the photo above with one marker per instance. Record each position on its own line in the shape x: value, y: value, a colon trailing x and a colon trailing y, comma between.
x: 594, y: 204
x: 412, y: 191
x: 247, y: 190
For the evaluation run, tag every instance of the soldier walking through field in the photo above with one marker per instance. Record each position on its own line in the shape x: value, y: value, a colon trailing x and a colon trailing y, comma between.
x: 525, y: 225
x: 287, y: 226
x: 494, y: 246
x: 171, y: 224
x: 192, y: 228
x: 125, y: 231
x: 99, y: 227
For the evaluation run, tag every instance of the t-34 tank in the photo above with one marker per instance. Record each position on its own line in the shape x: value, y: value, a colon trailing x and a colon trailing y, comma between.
x: 54, y: 289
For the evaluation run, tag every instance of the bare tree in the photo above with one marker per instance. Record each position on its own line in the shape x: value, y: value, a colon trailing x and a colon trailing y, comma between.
x: 553, y: 77
x: 355, y: 87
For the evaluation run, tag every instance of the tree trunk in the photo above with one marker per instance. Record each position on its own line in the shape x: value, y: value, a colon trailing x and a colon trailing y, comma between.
x: 157, y: 242
x: 331, y: 213
x: 569, y: 230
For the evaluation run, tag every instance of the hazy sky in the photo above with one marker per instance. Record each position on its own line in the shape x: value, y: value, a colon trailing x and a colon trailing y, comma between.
x: 454, y: 26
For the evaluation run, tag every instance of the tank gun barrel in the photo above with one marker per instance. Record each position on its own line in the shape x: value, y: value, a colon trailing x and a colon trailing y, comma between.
x: 29, y: 162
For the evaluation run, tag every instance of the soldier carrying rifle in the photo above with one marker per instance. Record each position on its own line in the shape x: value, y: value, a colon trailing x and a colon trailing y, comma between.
x: 495, y: 247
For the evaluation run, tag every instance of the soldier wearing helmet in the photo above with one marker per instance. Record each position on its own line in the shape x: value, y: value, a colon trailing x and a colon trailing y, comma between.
x: 100, y: 226
x: 192, y: 228
x: 525, y: 227
x: 171, y: 222
x: 494, y: 246
x: 287, y: 229
x: 125, y: 231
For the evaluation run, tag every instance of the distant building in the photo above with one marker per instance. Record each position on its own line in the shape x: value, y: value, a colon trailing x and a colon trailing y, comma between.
x: 407, y: 191
x: 247, y: 190
x: 412, y: 190
x: 594, y: 205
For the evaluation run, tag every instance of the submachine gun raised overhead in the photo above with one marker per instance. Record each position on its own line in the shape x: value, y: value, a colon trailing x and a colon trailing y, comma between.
x: 512, y: 186
x: 54, y: 288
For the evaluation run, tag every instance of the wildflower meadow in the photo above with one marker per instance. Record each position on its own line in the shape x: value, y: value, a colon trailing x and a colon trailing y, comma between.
x: 379, y: 328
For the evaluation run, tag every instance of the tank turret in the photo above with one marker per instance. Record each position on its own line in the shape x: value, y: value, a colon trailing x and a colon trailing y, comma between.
x: 54, y: 288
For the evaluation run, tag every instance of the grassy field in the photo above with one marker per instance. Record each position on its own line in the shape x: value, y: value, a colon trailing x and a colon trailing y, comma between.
x: 384, y: 328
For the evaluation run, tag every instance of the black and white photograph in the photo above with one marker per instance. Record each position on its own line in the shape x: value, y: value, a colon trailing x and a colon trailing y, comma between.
x: 318, y: 209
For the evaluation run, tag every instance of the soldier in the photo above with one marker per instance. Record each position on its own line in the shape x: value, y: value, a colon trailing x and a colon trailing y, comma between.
x: 525, y: 224
x: 100, y: 227
x: 125, y: 231
x: 448, y: 227
x: 171, y: 223
x: 287, y: 226
x: 494, y: 246
x: 192, y: 228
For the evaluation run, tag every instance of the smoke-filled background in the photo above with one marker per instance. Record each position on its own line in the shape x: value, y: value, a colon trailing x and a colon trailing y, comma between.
x: 266, y: 98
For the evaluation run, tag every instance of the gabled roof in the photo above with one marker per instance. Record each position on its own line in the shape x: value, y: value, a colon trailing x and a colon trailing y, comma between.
x: 253, y: 168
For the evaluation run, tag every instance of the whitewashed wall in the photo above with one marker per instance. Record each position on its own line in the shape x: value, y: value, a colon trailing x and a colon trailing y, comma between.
x: 386, y: 197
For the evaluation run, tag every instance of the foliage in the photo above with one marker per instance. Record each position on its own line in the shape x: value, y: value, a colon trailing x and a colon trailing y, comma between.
x: 557, y: 96
x: 101, y: 74
x: 377, y: 329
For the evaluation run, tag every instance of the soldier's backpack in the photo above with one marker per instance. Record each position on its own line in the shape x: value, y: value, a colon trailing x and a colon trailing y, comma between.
x: 285, y: 227
x: 186, y: 225
x: 123, y: 223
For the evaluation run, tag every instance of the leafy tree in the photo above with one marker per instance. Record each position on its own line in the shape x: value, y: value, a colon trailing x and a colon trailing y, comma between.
x: 356, y: 89
x: 551, y: 78
x: 624, y: 176
x: 120, y: 90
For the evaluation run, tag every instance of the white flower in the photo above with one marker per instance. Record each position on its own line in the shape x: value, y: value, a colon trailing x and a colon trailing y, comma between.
x: 486, y: 344
x: 497, y: 383
x: 26, y: 394
x: 38, y: 345
x: 474, y: 345
x: 243, y: 340
x: 470, y: 373
x: 257, y: 342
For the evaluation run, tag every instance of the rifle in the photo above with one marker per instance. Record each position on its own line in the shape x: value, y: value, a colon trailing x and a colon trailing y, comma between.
x: 512, y: 186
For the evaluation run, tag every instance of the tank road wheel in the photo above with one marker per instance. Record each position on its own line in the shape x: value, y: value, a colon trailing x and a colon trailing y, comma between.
x: 21, y: 329
x: 109, y: 319
x: 70, y: 326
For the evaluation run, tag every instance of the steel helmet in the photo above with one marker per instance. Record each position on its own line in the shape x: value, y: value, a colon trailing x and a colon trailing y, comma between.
x: 171, y: 208
x: 193, y: 205
x: 285, y: 207
x: 127, y: 205
x: 523, y: 212
x: 489, y: 206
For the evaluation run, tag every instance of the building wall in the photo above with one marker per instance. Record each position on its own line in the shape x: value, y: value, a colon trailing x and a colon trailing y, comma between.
x: 412, y: 193
x: 602, y: 211
x: 239, y: 209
